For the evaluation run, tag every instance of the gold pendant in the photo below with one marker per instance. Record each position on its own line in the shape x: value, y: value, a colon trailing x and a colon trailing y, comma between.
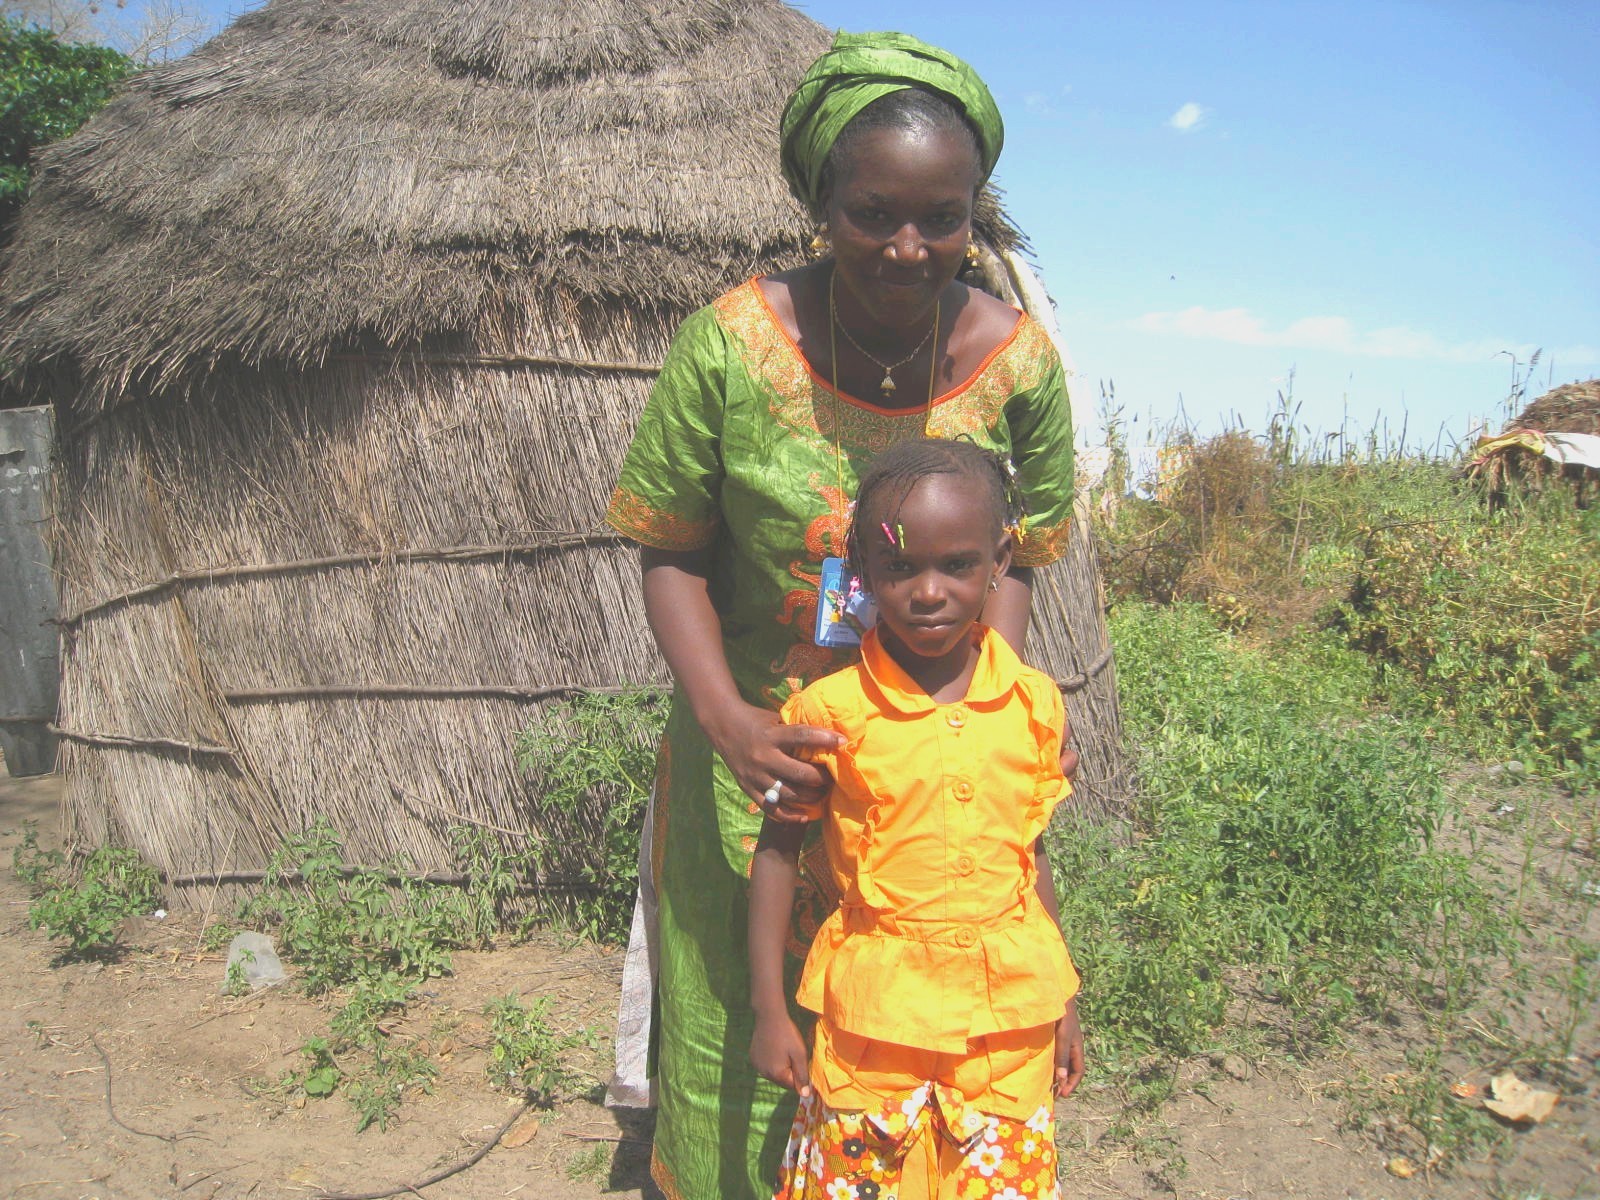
x: 887, y: 386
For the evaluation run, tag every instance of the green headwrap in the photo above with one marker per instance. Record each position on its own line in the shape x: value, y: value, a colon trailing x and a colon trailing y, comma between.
x: 861, y: 68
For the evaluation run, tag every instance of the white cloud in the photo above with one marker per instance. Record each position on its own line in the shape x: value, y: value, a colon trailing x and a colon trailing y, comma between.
x: 1043, y: 104
x: 1241, y: 327
x: 1188, y: 118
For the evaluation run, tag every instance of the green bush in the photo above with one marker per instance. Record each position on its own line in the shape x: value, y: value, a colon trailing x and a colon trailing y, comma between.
x: 367, y: 928
x: 373, y: 935
x: 86, y: 910
x: 47, y: 89
x: 592, y: 760
x: 1282, y: 826
x: 1491, y: 623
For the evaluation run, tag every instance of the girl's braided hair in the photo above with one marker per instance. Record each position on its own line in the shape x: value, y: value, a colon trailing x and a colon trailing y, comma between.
x: 889, y: 478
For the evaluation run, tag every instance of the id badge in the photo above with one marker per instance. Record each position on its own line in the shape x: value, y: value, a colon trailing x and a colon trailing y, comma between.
x: 844, y: 611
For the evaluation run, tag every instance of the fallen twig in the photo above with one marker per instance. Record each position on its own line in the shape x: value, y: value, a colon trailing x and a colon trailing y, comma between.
x: 170, y: 1138
x: 415, y: 1188
x: 202, y: 1178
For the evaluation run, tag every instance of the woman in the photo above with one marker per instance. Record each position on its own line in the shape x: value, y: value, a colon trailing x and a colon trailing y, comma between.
x: 770, y: 402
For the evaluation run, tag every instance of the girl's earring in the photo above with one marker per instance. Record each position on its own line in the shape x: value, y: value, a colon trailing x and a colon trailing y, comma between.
x: 974, y: 255
x: 819, y: 243
x: 994, y: 584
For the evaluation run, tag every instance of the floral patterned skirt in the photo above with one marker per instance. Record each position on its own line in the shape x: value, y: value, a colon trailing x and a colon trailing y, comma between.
x: 927, y: 1144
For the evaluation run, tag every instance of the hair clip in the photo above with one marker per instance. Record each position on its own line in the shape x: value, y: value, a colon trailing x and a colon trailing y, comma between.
x: 888, y: 533
x: 900, y: 531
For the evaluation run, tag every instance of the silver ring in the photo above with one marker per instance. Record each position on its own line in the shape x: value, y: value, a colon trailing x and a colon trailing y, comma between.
x: 770, y: 796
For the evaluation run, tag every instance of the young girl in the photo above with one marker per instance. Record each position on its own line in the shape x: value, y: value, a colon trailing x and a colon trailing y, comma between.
x: 946, y: 1019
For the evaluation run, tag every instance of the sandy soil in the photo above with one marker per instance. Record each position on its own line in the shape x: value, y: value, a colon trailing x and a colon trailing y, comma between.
x: 137, y: 1079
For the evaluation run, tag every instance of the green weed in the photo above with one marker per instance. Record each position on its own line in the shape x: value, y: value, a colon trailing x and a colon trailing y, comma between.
x: 87, y: 910
x: 525, y: 1054
x: 321, y: 1077
x: 370, y: 927
x: 1282, y: 826
x: 372, y: 935
x: 590, y: 1165
x: 1490, y: 622
x: 592, y: 760
x: 35, y: 867
x: 1414, y: 1113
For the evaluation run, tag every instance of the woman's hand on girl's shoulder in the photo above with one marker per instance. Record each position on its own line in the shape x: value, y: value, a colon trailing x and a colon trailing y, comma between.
x: 778, y: 1053
x: 762, y: 752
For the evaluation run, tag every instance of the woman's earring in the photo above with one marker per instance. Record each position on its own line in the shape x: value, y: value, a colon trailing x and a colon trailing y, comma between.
x: 974, y: 255
x: 994, y: 584
x: 819, y: 243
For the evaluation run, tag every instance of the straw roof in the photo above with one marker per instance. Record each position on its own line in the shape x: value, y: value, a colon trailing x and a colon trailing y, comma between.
x: 396, y: 170
x: 1570, y: 408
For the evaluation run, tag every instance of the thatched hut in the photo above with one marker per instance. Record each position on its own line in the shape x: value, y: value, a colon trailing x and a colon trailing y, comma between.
x: 1555, y: 437
x: 347, y: 317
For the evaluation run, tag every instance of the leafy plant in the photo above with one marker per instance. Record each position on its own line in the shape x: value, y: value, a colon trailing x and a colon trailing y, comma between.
x: 47, y: 89
x: 35, y: 867
x: 1283, y: 827
x: 237, y: 982
x: 373, y: 935
x: 380, y: 1089
x: 525, y: 1054
x: 322, y: 1076
x: 87, y: 911
x: 1490, y: 622
x: 592, y: 760
x: 370, y: 926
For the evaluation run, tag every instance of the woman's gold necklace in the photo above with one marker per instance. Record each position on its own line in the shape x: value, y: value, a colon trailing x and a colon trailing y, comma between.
x: 887, y: 387
x: 838, y: 403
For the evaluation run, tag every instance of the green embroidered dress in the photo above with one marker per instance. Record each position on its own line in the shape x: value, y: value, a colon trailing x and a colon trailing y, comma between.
x: 744, y: 449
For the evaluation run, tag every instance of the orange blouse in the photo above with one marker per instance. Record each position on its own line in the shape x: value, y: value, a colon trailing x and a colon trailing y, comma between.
x: 940, y: 937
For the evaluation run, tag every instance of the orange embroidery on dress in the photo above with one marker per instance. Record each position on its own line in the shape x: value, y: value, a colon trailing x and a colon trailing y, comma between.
x: 816, y: 896
x: 1043, y: 546
x: 634, y: 517
x: 663, y: 1176
x: 802, y: 403
x: 804, y: 660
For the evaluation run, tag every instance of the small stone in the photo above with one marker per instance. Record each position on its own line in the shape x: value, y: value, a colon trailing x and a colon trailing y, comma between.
x: 1515, y: 769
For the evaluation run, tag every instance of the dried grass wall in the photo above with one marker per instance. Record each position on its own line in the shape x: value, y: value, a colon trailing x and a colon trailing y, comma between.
x: 412, y: 556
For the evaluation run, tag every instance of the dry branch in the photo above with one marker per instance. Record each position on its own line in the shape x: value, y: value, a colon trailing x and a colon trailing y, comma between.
x: 501, y: 362
x: 417, y: 1187
x: 384, y: 691
x: 558, y: 542
x: 140, y: 743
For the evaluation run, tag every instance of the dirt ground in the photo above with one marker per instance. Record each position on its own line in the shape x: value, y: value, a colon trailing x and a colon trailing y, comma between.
x: 139, y: 1079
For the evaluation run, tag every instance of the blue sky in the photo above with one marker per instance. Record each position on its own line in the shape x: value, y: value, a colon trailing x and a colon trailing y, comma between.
x: 1375, y: 199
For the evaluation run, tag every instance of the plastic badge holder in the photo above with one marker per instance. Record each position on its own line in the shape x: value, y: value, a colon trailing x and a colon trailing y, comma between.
x: 844, y: 611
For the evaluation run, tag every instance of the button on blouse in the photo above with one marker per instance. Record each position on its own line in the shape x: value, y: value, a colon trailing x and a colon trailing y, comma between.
x: 940, y: 936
